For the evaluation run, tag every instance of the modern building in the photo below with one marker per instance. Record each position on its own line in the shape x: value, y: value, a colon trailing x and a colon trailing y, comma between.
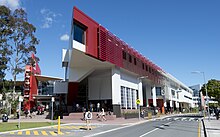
x: 196, y: 95
x: 101, y: 68
x: 37, y: 87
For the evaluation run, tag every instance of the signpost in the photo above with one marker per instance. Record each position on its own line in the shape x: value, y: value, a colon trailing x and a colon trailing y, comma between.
x: 138, y: 105
x: 52, y: 100
x: 19, y: 113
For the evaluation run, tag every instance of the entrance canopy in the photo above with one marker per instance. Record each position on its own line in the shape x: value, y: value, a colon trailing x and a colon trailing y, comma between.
x: 46, y: 78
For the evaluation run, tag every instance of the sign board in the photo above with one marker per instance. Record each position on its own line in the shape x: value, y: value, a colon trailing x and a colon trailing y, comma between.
x: 88, y: 116
x: 138, y: 101
x: 60, y: 87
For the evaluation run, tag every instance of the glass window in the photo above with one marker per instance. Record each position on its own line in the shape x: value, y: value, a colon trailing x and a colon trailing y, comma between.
x: 158, y: 91
x: 173, y: 93
x: 124, y: 55
x: 142, y: 65
x: 135, y: 61
x: 150, y: 69
x: 128, y: 92
x: 133, y: 98
x: 130, y: 58
x: 146, y: 67
x: 123, y: 97
x: 79, y: 33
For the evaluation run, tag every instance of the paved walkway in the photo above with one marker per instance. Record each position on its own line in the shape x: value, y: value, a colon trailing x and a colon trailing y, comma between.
x: 212, y: 127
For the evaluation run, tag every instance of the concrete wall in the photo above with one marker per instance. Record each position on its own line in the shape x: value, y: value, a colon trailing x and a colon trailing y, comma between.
x: 100, y: 86
x: 116, y: 87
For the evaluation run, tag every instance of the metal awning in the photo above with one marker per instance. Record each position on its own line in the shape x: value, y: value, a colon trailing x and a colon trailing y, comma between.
x: 46, y: 78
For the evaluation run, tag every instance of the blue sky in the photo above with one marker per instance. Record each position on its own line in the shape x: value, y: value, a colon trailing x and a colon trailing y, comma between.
x: 180, y: 36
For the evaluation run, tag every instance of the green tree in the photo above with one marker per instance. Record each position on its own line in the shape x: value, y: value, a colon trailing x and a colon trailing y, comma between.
x: 213, y: 89
x: 21, y: 41
x: 5, y: 33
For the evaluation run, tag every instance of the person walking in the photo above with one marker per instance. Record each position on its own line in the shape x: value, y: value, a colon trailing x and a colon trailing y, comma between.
x: 98, y: 107
x: 103, y: 114
x: 216, y: 113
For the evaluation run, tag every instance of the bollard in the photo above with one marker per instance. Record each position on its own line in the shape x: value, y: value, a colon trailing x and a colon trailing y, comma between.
x: 158, y: 114
x: 149, y: 115
x: 58, y: 127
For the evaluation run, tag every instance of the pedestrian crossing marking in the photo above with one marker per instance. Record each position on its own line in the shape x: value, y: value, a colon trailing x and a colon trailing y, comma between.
x: 44, y: 133
x: 179, y: 119
x: 28, y: 132
x: 52, y: 133
x: 19, y: 132
x: 35, y: 132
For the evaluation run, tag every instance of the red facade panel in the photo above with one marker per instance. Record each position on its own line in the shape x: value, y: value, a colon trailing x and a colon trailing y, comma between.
x: 91, y: 31
x: 72, y: 92
x: 31, y: 83
x: 105, y: 46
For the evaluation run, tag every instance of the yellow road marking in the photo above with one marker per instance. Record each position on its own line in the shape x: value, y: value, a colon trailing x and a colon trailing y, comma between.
x: 36, y: 132
x: 199, y: 131
x: 68, y: 127
x: 44, y: 133
x: 19, y: 132
x: 28, y: 132
x: 12, y: 133
x: 52, y: 133
x: 74, y: 127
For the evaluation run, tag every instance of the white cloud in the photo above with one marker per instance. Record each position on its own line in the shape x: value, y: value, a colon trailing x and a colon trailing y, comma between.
x: 65, y: 37
x: 49, y: 17
x: 12, y: 4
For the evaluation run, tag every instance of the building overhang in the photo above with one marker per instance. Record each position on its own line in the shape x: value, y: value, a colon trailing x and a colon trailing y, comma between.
x: 44, y: 78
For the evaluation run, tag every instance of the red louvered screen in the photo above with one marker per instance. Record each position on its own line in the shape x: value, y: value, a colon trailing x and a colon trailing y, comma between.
x: 110, y: 49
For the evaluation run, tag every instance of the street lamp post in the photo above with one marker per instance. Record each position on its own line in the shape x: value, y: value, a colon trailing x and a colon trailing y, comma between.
x: 206, y: 92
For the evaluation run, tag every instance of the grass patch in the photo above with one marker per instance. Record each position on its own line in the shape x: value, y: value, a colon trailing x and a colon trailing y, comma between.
x: 24, y: 125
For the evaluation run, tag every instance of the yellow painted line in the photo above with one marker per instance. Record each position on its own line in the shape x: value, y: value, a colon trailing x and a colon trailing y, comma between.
x: 199, y: 131
x: 54, y: 127
x: 12, y: 133
x: 35, y: 132
x: 52, y: 133
x: 67, y: 127
x: 19, y: 132
x: 80, y: 127
x: 28, y: 132
x: 74, y: 127
x: 44, y: 133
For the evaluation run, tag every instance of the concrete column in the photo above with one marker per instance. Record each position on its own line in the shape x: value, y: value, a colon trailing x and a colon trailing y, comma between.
x: 116, y: 89
x: 154, y: 96
x: 177, y: 104
x: 140, y: 92
x: 171, y: 103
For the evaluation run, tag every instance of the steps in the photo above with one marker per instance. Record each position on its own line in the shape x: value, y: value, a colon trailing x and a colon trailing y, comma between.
x: 79, y: 116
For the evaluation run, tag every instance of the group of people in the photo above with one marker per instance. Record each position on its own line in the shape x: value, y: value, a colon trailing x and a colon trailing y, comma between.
x: 100, y: 115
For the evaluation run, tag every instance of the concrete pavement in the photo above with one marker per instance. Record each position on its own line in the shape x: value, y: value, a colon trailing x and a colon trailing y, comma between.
x: 118, y: 122
x: 212, y: 127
